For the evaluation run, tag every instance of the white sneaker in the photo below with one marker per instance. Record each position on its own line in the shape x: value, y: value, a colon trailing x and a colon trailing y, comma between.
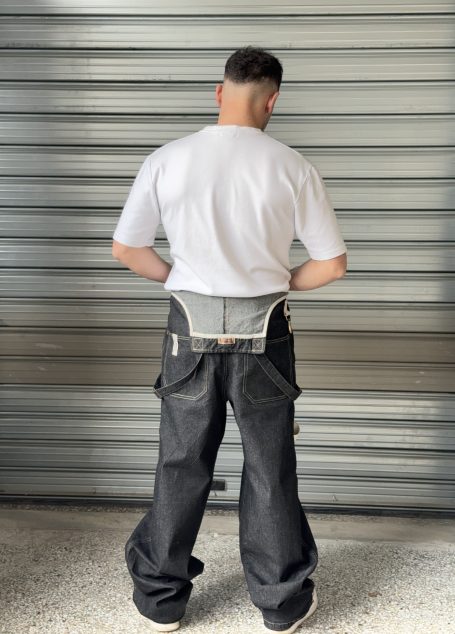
x: 294, y: 626
x: 163, y: 627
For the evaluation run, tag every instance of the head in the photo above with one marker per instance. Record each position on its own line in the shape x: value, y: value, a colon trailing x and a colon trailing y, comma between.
x: 252, y: 79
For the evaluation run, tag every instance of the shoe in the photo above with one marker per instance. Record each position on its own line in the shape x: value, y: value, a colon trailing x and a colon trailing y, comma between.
x: 294, y: 626
x: 164, y: 627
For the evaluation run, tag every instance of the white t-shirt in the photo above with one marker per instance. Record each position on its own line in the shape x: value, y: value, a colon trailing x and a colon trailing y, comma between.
x: 231, y: 200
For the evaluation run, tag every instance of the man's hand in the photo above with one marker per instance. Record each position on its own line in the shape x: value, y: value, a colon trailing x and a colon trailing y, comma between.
x: 144, y: 261
x: 315, y: 273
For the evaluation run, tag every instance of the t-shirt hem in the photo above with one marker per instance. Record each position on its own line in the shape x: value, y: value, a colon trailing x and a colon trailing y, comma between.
x: 326, y: 255
x: 131, y: 243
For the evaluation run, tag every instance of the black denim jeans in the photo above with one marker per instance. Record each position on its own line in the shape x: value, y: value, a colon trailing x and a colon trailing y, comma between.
x: 277, y: 548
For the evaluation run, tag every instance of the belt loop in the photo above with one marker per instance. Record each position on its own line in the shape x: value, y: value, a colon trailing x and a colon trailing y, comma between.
x: 175, y: 347
x: 287, y: 314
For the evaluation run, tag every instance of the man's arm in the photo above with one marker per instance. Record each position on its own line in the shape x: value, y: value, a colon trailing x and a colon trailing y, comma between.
x: 315, y: 273
x: 317, y: 228
x: 144, y: 261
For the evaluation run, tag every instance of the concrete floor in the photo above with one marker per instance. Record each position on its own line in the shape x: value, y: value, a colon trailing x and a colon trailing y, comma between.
x: 63, y: 572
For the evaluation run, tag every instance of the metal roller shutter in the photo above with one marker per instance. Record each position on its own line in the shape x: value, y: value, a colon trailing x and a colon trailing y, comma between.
x: 87, y: 90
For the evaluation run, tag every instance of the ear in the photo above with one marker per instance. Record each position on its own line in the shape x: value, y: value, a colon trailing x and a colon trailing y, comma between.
x: 271, y: 101
x: 275, y: 97
x: 218, y: 93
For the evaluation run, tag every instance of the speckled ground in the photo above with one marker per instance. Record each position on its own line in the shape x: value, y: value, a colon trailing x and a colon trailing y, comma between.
x: 73, y: 580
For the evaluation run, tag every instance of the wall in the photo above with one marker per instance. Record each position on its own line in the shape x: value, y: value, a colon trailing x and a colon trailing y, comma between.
x: 88, y: 89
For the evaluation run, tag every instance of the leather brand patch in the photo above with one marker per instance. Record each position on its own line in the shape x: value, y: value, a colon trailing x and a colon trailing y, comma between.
x: 226, y: 339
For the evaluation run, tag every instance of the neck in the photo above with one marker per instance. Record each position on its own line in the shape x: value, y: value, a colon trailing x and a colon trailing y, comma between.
x: 246, y: 121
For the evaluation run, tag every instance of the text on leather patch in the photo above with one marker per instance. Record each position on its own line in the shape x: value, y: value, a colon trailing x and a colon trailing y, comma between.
x: 226, y: 339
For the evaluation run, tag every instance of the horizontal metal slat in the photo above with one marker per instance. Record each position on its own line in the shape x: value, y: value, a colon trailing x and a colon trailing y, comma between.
x: 306, y: 316
x: 387, y: 256
x: 179, y: 32
x: 385, y: 224
x: 387, y: 162
x: 182, y: 7
x: 158, y: 98
x: 146, y: 343
x: 330, y: 493
x: 367, y: 375
x: 124, y: 284
x: 346, y: 194
x: 149, y: 131
x: 120, y: 457
x: 353, y: 492
x: 320, y: 492
x: 372, y: 433
x: 369, y: 255
x: 131, y: 402
x: 402, y: 64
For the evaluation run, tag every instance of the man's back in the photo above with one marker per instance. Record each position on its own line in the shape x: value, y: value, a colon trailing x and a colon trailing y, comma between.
x: 231, y: 199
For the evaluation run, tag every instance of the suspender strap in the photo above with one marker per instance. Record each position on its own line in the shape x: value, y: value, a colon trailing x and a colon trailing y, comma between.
x: 278, y: 378
x: 162, y: 390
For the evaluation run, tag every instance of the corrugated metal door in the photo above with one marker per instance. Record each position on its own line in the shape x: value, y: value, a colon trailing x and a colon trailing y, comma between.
x: 88, y: 89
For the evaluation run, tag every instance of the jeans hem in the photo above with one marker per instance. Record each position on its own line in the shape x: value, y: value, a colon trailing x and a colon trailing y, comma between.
x: 285, y: 622
x: 282, y: 625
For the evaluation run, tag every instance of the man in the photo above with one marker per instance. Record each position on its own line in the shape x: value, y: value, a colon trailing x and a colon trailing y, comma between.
x: 231, y: 199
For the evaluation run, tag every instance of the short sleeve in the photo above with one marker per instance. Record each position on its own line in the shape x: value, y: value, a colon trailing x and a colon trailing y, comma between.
x: 316, y: 225
x: 140, y: 216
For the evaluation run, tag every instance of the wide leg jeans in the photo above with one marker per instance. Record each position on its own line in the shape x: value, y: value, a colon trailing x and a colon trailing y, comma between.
x: 277, y: 548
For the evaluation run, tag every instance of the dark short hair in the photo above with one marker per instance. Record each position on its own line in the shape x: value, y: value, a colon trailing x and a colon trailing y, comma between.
x: 253, y: 64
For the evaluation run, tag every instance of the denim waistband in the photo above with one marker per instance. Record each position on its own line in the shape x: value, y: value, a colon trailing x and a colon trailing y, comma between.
x: 237, y: 324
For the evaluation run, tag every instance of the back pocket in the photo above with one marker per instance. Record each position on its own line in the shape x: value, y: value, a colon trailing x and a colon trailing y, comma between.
x: 261, y: 386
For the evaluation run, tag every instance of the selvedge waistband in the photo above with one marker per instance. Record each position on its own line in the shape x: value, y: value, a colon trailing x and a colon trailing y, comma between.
x: 240, y: 322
